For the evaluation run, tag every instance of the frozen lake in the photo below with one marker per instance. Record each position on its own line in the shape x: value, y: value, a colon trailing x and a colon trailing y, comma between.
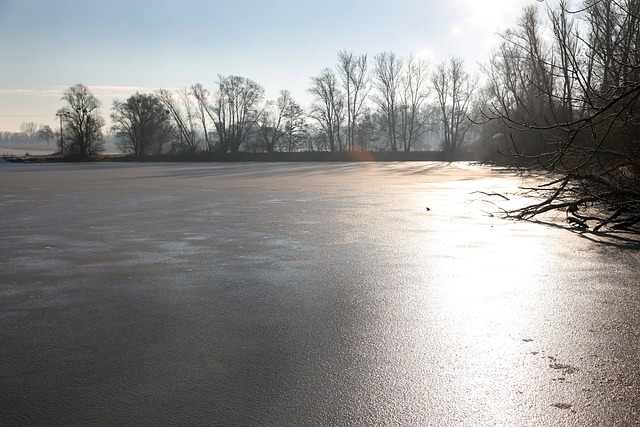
x: 305, y: 294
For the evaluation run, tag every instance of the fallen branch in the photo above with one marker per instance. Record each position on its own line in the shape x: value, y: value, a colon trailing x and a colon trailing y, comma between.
x: 606, y: 221
x: 491, y: 194
x: 623, y: 225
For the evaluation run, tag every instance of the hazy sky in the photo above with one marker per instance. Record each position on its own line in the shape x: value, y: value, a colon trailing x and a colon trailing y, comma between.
x: 119, y: 46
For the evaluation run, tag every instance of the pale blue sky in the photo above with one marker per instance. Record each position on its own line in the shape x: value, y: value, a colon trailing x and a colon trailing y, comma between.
x: 118, y: 46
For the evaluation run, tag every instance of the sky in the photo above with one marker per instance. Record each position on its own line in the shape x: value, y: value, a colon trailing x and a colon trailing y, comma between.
x: 118, y: 47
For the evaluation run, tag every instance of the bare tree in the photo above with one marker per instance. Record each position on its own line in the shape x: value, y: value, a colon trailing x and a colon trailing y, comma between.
x: 386, y: 80
x: 29, y: 129
x: 505, y: 78
x: 328, y: 107
x: 352, y: 70
x: 83, y: 123
x: 295, y: 126
x: 272, y: 122
x: 144, y: 123
x: 564, y: 67
x: 454, y: 93
x: 182, y: 110
x: 236, y: 110
x: 539, y: 86
x: 590, y: 115
x: 204, y: 113
x: 45, y: 133
x: 413, y: 97
x: 280, y: 124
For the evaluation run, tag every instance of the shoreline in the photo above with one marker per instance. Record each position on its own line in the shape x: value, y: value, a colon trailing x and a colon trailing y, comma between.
x: 36, y: 156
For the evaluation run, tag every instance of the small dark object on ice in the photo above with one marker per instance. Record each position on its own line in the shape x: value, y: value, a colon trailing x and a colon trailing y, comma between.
x: 578, y: 222
x: 428, y: 208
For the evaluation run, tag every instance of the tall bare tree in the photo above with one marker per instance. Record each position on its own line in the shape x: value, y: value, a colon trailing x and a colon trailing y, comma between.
x: 352, y: 70
x: 182, y: 110
x: 454, y: 94
x: 83, y: 123
x: 386, y: 81
x: 523, y: 82
x: 29, y: 129
x: 328, y: 107
x: 413, y: 96
x: 271, y: 122
x: 565, y: 67
x: 236, y: 110
x: 204, y: 113
x: 280, y: 124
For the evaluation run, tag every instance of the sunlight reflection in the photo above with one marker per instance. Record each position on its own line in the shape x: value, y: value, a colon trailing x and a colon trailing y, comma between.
x: 482, y: 284
x: 483, y: 287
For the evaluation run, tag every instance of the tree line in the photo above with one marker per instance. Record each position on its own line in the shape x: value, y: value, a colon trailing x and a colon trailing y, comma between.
x: 30, y: 132
x: 360, y: 104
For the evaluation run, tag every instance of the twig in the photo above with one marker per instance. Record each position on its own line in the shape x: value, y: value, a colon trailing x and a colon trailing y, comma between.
x: 490, y: 194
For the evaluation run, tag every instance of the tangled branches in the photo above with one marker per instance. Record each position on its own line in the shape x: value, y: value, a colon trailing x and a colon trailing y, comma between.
x: 609, y: 207
x: 572, y: 107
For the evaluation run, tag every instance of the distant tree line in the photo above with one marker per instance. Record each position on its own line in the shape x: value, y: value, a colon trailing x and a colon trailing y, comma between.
x: 357, y: 105
x: 30, y: 133
x: 394, y: 104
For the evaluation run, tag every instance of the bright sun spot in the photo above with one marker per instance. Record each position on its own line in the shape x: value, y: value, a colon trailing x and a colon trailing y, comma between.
x: 481, y: 21
x: 489, y: 15
x: 496, y: 15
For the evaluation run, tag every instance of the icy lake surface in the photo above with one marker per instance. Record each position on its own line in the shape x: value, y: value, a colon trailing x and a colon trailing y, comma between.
x: 305, y: 294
